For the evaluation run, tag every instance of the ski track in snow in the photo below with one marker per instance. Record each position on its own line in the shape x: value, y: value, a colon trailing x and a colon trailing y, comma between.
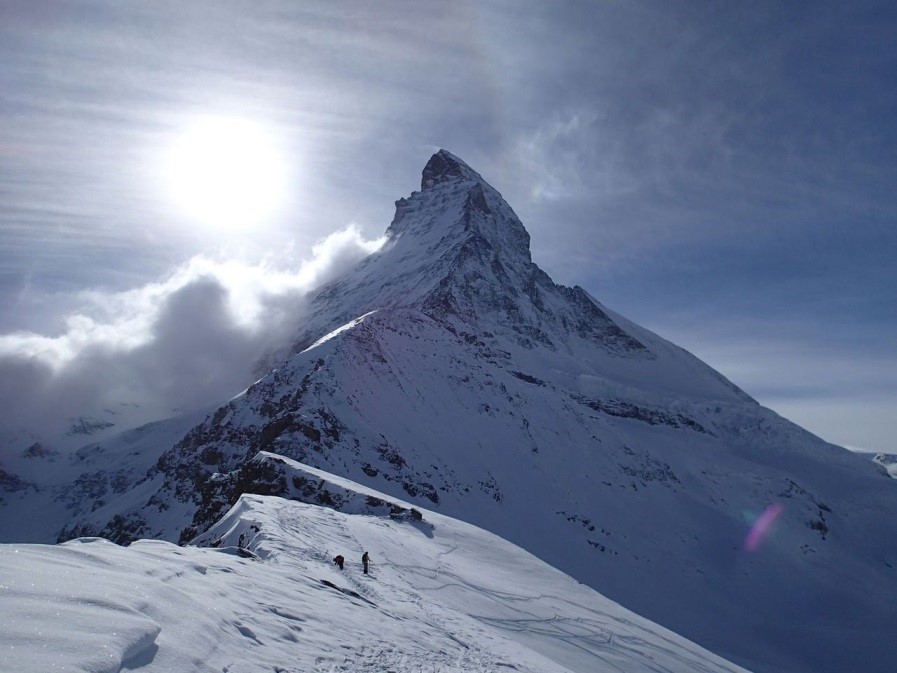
x: 589, y: 635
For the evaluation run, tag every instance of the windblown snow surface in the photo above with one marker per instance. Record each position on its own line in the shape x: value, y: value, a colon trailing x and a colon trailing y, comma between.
x: 442, y: 596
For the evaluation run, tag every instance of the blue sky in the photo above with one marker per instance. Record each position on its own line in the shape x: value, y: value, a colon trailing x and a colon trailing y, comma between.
x: 721, y: 173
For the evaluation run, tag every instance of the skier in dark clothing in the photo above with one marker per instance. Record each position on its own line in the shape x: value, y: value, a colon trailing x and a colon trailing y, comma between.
x: 364, y: 562
x: 339, y: 560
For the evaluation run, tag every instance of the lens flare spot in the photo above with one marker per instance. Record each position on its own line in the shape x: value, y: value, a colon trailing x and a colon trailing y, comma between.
x: 762, y: 527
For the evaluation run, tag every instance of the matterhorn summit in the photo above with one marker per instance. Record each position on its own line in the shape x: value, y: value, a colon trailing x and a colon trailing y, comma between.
x: 449, y: 371
x: 457, y: 253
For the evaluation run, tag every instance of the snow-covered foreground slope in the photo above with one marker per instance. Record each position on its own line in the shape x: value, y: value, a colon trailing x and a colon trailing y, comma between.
x: 442, y: 596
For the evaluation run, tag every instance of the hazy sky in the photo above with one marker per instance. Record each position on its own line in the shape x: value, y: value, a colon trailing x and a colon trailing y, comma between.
x: 722, y: 173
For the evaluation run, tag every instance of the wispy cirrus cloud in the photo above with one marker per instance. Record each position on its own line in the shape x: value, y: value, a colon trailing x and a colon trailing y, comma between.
x: 570, y: 156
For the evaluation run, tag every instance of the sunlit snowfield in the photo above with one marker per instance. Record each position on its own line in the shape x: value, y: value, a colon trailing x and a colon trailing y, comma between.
x: 442, y: 596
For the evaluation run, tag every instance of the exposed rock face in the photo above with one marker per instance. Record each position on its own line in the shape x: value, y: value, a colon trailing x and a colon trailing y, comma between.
x: 87, y: 426
x: 449, y: 370
x: 39, y: 451
x: 10, y: 482
x: 445, y: 167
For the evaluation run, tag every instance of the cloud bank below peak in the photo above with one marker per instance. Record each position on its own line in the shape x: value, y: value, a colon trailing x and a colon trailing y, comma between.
x: 183, y: 343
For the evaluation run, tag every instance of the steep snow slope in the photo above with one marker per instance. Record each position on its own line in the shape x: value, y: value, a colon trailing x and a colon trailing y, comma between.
x: 442, y: 596
x: 450, y: 370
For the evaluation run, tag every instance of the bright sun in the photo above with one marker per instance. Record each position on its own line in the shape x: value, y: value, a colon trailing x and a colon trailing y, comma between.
x: 227, y: 172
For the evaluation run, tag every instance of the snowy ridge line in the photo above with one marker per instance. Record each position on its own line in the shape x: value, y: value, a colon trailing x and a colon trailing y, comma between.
x: 272, y: 474
x: 448, y: 599
x: 466, y: 583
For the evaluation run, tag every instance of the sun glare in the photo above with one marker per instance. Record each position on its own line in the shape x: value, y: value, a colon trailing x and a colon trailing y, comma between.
x: 227, y: 172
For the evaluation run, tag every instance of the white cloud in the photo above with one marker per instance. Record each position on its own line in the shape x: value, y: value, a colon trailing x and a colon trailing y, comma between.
x: 185, y: 342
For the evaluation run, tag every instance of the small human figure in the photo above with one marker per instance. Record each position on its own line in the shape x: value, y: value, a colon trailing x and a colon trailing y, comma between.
x: 339, y: 560
x: 364, y: 562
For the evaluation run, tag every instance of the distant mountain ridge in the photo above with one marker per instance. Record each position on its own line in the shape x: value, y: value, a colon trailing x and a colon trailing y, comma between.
x: 449, y: 370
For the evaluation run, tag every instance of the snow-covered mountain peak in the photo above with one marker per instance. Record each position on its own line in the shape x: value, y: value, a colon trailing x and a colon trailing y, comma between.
x: 456, y: 204
x: 458, y: 253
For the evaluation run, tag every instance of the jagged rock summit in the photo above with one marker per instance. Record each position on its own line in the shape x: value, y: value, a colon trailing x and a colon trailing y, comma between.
x: 446, y: 167
x: 447, y: 369
x: 458, y: 253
